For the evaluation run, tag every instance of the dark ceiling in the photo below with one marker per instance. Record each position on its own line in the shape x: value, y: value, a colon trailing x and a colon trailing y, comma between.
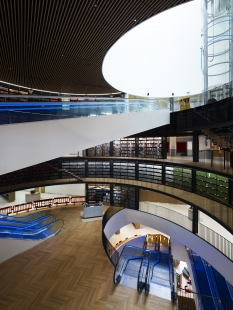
x: 59, y: 45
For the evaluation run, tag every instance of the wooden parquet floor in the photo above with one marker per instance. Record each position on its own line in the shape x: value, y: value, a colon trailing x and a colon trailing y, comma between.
x: 69, y: 271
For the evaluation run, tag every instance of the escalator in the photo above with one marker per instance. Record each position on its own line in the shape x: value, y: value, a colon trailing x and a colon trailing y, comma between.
x: 29, y: 217
x: 148, y: 268
x: 156, y: 274
x: 37, y: 223
x: 127, y: 268
x: 33, y: 227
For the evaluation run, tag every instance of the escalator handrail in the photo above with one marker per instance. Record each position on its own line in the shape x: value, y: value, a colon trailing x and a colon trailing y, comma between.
x: 18, y: 218
x: 26, y: 226
x: 126, y: 260
x: 140, y: 269
x: 56, y: 221
x: 29, y: 223
x: 44, y: 227
x: 171, y: 271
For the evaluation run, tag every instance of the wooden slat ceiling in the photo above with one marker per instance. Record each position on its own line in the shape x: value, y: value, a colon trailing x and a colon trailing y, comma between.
x: 59, y: 45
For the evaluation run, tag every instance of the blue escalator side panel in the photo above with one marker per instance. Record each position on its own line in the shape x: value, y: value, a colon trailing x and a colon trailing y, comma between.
x: 222, y: 285
x: 203, y: 284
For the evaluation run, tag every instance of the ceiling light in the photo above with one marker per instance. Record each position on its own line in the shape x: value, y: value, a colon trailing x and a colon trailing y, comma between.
x: 95, y: 5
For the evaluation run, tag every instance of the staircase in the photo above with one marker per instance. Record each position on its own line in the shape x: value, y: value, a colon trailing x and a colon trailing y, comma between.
x: 71, y: 174
x: 220, y: 141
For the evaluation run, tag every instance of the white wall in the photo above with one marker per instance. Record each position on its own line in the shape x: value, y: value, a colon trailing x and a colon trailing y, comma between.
x: 183, y: 236
x: 27, y: 144
x: 68, y: 189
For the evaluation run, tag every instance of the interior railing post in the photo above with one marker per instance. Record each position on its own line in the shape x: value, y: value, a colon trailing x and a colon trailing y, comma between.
x: 164, y: 147
x: 195, y: 220
x: 194, y: 181
x: 136, y: 170
x: 163, y: 174
x: 195, y: 148
x: 111, y: 195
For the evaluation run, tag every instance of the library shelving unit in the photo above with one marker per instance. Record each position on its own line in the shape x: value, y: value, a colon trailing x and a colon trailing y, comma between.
x: 129, y: 147
x: 179, y: 177
x: 124, y: 196
x: 212, y: 185
x: 99, y: 169
x: 99, y: 192
x: 100, y: 150
x: 150, y: 173
x: 77, y: 168
x: 44, y: 172
x: 124, y: 170
x: 150, y: 147
x: 124, y: 147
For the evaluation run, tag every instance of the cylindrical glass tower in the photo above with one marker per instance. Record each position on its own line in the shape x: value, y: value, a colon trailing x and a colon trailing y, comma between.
x: 217, y: 49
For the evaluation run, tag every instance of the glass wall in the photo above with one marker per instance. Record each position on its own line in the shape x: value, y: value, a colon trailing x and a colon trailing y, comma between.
x: 217, y: 47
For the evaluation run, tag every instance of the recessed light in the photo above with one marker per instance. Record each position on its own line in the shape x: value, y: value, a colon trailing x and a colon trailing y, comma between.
x: 135, y: 20
x: 95, y: 5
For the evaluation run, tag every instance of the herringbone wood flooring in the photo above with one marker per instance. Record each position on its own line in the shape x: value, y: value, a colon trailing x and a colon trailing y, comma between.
x: 69, y: 271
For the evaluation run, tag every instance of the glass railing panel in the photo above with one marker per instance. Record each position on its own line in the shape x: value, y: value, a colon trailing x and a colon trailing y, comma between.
x: 15, y: 112
x: 216, y: 240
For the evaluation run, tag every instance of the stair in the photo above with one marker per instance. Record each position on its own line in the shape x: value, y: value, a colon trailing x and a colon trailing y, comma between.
x: 73, y: 175
x: 220, y: 141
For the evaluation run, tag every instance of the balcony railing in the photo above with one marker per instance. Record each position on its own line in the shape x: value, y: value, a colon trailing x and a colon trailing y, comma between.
x: 50, y: 108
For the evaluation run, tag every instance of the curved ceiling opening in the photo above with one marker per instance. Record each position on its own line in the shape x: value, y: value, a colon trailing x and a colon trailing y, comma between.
x: 161, y: 56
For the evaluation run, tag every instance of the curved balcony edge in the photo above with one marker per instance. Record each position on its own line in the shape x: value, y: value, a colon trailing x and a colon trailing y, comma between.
x: 209, y: 252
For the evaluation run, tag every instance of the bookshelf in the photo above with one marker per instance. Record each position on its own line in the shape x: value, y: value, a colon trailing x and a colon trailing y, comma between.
x: 179, y: 177
x: 124, y: 196
x: 212, y: 185
x: 124, y: 147
x: 78, y: 168
x: 150, y: 147
x: 124, y: 170
x: 99, y: 169
x: 150, y: 173
x: 99, y: 150
x: 99, y: 192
